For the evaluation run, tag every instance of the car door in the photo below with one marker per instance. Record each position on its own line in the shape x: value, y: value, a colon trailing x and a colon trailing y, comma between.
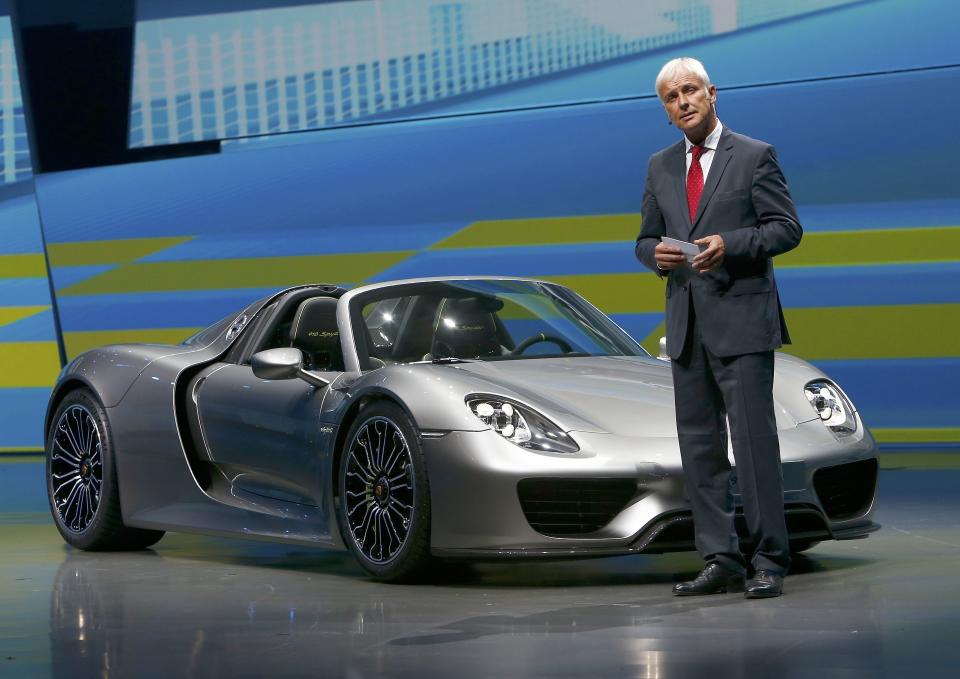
x: 264, y: 435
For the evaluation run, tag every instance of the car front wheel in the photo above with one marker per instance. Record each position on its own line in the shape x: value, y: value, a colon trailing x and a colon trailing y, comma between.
x: 384, y: 495
x: 82, y: 482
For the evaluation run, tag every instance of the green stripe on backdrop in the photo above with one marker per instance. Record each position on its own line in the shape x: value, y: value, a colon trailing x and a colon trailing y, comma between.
x: 10, y: 314
x: 615, y: 293
x: 544, y: 230
x: 894, y: 331
x: 836, y: 333
x: 910, y: 435
x: 919, y: 460
x: 97, y: 252
x: 28, y: 364
x: 23, y: 266
x: 878, y: 246
x: 253, y: 272
x: 77, y: 342
x: 819, y: 248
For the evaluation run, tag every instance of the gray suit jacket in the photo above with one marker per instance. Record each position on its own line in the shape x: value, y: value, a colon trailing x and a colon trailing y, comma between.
x: 746, y: 200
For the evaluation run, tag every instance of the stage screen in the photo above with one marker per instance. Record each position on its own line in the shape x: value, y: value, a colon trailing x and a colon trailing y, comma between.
x: 246, y: 68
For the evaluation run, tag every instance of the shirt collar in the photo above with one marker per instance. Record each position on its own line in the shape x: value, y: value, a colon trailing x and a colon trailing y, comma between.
x: 711, y: 142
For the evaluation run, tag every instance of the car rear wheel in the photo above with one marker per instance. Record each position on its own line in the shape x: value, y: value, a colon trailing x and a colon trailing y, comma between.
x: 82, y: 482
x: 384, y: 496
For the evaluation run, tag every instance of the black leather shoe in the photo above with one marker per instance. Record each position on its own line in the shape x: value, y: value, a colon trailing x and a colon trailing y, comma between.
x: 764, y: 584
x: 714, y: 579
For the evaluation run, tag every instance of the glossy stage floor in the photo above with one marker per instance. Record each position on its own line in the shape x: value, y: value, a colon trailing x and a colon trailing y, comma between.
x: 887, y: 606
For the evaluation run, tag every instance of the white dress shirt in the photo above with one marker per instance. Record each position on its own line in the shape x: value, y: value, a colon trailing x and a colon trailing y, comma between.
x: 710, y: 146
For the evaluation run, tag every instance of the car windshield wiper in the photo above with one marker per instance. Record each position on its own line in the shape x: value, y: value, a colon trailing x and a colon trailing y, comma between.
x: 450, y: 359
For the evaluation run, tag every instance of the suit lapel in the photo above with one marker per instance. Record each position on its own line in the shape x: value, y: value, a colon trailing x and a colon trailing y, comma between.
x: 677, y: 163
x: 720, y: 159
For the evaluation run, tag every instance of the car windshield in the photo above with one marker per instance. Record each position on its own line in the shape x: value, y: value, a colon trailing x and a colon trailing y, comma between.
x: 486, y: 320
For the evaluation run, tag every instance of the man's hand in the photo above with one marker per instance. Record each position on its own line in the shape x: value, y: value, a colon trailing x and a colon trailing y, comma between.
x: 668, y: 257
x: 711, y: 257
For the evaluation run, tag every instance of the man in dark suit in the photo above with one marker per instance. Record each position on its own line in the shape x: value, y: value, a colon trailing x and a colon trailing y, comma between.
x: 725, y: 193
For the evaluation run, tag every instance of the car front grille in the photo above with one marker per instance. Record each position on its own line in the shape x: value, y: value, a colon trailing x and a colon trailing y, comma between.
x: 846, y: 490
x: 573, y: 506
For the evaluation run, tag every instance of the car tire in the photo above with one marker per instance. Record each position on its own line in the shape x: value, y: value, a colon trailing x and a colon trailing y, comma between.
x: 383, y: 506
x: 82, y: 485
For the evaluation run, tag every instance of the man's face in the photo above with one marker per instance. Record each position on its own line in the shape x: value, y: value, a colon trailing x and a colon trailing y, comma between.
x: 689, y: 105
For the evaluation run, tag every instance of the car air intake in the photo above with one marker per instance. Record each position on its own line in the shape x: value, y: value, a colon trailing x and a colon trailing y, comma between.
x: 573, y: 506
x: 846, y: 490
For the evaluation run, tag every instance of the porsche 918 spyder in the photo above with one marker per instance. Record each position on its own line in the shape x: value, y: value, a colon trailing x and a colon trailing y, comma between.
x: 407, y: 421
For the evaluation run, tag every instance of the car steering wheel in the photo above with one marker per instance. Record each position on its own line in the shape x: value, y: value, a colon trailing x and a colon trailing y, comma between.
x: 541, y: 337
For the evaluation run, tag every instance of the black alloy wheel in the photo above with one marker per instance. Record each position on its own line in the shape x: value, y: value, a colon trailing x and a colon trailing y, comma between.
x: 76, y: 468
x: 81, y: 479
x: 384, y: 497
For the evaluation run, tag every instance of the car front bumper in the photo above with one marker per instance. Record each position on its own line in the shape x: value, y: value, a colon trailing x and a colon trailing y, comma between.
x: 478, y: 511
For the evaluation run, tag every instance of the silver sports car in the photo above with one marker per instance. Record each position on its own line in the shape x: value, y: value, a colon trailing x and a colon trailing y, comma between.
x: 462, y: 417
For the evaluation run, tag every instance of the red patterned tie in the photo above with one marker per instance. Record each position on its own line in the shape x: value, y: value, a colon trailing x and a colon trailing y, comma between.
x: 694, y: 180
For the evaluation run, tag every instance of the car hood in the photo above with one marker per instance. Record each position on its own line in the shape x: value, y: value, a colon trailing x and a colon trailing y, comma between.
x: 624, y: 395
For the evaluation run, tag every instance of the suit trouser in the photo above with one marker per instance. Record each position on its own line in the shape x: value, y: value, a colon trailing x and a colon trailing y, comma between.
x: 707, y: 387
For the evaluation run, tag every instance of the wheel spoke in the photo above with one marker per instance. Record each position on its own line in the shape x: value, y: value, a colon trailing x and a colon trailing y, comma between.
x: 367, y: 522
x: 69, y: 473
x: 91, y: 509
x: 395, y: 454
x: 387, y: 521
x: 367, y: 470
x: 357, y: 476
x: 365, y: 445
x: 405, y: 506
x: 87, y: 432
x: 71, y: 456
x: 80, y: 511
x: 71, y: 501
x: 399, y: 476
x: 396, y: 511
x: 358, y: 506
x: 73, y: 434
x: 66, y: 483
x: 382, y: 447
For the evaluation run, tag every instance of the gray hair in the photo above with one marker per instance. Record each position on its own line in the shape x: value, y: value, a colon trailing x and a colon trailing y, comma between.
x: 682, y: 66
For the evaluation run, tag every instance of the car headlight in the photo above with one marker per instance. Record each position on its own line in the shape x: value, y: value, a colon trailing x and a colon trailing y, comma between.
x: 833, y: 407
x: 521, y: 425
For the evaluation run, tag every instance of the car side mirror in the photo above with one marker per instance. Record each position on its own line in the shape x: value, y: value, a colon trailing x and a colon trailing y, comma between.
x: 284, y: 363
x: 663, y: 355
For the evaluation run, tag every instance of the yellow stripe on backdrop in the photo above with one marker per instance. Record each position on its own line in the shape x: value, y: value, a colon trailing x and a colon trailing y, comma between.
x: 10, y: 314
x: 844, y: 333
x: 877, y: 246
x: 28, y: 364
x: 544, y: 230
x: 23, y: 266
x: 618, y: 293
x: 920, y: 435
x: 77, y: 342
x: 97, y: 252
x: 818, y: 248
x: 252, y: 272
